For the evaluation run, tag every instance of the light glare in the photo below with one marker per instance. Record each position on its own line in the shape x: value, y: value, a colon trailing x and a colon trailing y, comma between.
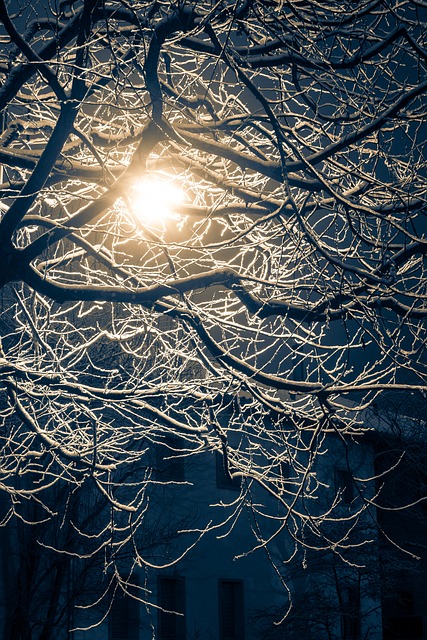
x: 155, y: 200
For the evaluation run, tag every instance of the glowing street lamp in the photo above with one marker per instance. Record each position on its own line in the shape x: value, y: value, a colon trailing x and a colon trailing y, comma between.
x: 155, y: 200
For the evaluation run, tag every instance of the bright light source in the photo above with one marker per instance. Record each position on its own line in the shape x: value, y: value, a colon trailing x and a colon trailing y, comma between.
x: 154, y: 200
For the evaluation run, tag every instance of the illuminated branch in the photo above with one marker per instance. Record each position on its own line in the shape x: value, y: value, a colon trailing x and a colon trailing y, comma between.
x: 212, y: 230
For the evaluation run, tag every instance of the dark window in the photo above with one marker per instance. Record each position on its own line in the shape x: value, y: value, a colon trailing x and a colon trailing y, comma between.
x: 123, y: 619
x: 169, y: 461
x: 350, y: 617
x: 171, y: 615
x: 224, y: 479
x: 422, y: 492
x: 344, y: 485
x: 284, y: 475
x: 231, y: 611
x: 403, y: 627
x: 405, y: 602
x: 285, y: 470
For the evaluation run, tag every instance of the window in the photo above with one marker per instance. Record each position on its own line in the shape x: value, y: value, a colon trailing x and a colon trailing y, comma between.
x: 422, y: 491
x: 284, y: 471
x: 169, y: 461
x: 405, y: 625
x: 344, y: 485
x: 350, y: 617
x: 171, y: 614
x: 224, y: 480
x: 123, y: 619
x: 231, y: 611
x: 403, y: 628
x: 405, y: 602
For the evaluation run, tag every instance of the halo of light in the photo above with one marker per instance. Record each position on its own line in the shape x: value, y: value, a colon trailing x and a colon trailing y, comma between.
x: 155, y: 199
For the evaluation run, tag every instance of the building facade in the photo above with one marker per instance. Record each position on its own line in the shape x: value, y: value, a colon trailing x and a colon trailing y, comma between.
x: 229, y: 586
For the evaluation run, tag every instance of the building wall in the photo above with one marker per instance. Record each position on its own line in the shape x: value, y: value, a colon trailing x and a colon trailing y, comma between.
x: 223, y: 562
x: 403, y: 548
